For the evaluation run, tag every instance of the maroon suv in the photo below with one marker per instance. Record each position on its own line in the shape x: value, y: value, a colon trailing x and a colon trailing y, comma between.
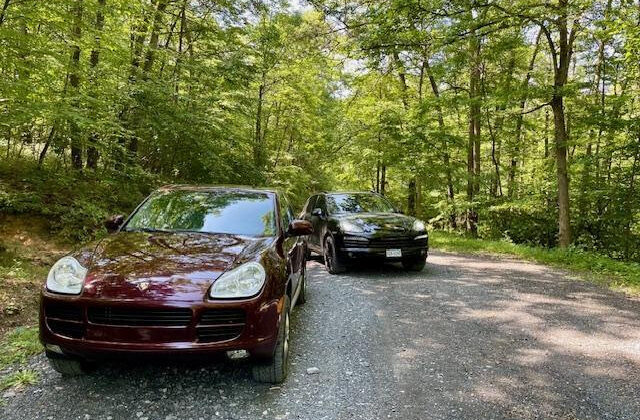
x: 194, y: 270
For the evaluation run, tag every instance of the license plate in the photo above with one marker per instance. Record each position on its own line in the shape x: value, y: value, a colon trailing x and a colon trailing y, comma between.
x: 394, y: 253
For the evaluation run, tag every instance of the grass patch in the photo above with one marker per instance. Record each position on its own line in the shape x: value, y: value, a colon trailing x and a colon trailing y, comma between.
x: 616, y: 274
x: 19, y: 345
x: 19, y: 379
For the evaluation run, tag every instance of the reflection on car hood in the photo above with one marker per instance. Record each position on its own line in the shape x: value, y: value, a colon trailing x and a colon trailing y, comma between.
x: 380, y: 222
x: 163, y: 266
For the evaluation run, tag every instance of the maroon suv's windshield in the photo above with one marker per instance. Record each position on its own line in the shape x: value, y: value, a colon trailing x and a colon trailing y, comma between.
x: 249, y: 213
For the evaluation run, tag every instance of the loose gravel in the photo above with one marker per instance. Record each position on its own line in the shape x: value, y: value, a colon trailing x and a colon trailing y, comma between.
x: 467, y: 338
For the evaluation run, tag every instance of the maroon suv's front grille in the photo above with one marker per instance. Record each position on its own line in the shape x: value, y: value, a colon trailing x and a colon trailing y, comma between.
x: 122, y: 316
x: 64, y: 319
x: 63, y: 311
x: 220, y: 325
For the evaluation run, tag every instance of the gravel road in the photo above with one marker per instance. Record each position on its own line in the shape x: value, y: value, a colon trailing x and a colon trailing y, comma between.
x: 467, y: 338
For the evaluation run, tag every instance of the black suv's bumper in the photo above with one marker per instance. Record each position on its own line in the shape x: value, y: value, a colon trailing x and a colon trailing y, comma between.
x: 362, y: 247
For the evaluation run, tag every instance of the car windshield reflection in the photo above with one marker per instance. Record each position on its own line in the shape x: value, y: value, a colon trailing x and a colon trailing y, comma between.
x: 247, y: 213
x: 358, y: 203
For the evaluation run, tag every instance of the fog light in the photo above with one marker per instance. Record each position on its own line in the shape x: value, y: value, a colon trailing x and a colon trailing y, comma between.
x: 237, y: 354
x: 53, y: 348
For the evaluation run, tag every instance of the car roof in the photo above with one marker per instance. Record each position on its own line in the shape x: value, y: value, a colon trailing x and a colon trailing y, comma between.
x: 348, y: 192
x: 187, y: 187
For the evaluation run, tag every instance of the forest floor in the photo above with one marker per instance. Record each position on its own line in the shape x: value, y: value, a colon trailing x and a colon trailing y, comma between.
x: 27, y: 251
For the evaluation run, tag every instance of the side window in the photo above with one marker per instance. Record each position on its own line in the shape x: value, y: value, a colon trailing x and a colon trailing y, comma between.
x: 321, y: 202
x: 308, y: 208
x: 286, y: 215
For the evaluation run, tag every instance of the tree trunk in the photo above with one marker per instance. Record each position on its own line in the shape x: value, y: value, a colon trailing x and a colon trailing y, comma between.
x: 473, y: 148
x: 92, y: 151
x: 153, y: 40
x: 383, y: 179
x: 5, y: 6
x: 74, y: 82
x: 519, y: 121
x: 565, y: 43
x: 43, y: 152
x: 411, y: 188
x: 443, y: 138
x: 560, y: 134
x: 411, y: 201
x: 258, y: 152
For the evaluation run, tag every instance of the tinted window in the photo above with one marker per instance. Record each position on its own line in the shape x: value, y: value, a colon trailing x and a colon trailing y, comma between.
x: 358, y: 203
x: 233, y: 212
x: 286, y: 215
x: 321, y: 203
x: 310, y: 204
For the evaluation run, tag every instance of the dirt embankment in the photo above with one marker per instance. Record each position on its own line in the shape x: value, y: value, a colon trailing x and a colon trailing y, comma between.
x: 27, y: 250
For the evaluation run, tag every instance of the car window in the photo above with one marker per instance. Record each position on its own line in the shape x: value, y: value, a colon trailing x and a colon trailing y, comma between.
x: 250, y: 213
x: 321, y: 203
x: 358, y: 203
x: 311, y: 202
x: 286, y: 215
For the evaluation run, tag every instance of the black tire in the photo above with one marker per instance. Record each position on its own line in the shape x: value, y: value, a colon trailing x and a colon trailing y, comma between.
x: 274, y: 371
x: 302, y: 296
x: 67, y: 366
x: 332, y: 260
x: 414, y: 264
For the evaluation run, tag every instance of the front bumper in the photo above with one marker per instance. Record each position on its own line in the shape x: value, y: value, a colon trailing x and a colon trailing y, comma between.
x: 364, y: 247
x: 70, y: 324
x: 382, y: 253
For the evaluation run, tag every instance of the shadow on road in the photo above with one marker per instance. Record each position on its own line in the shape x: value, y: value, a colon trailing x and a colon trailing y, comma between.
x: 466, y: 338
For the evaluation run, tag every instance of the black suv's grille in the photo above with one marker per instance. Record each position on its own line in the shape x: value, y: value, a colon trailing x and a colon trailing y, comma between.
x: 385, y: 242
x: 220, y: 325
x: 166, y: 317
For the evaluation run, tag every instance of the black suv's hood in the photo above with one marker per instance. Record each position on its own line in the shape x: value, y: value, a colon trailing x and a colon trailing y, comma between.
x: 379, y: 222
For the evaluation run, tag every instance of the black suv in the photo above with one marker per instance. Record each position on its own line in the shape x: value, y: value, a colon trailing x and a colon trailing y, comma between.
x: 350, y: 225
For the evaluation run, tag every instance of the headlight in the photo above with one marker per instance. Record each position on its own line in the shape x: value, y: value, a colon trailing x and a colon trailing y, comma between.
x: 66, y: 276
x: 418, y: 226
x: 351, y: 227
x: 243, y: 281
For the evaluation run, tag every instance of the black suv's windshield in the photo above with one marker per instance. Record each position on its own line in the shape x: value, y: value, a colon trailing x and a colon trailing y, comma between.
x: 249, y: 213
x: 358, y: 203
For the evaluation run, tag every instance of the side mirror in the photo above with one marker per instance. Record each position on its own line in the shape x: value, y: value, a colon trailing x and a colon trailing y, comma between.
x: 300, y: 228
x: 317, y: 212
x: 113, y: 223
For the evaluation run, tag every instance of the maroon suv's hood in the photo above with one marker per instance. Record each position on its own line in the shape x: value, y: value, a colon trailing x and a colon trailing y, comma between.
x: 163, y: 266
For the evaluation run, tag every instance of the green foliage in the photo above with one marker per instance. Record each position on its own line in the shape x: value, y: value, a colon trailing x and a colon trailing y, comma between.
x: 75, y: 204
x: 520, y: 222
x: 103, y: 100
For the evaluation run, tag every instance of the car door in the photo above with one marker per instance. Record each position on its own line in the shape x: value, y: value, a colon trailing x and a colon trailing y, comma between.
x: 307, y: 215
x: 319, y: 222
x: 293, y: 246
x: 308, y: 206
